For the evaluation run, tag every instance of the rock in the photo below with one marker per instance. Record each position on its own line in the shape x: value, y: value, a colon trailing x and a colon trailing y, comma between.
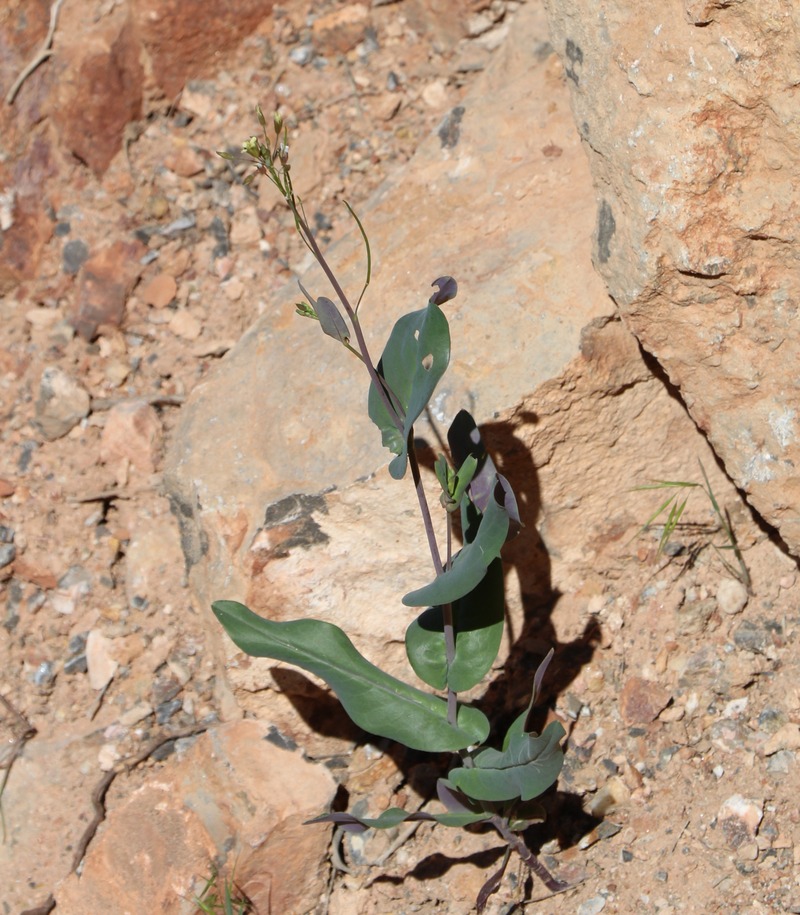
x: 105, y: 282
x: 613, y: 794
x: 732, y: 596
x: 231, y: 800
x: 641, y: 700
x: 153, y: 549
x: 785, y: 738
x: 184, y: 324
x: 8, y: 553
x: 751, y: 637
x: 696, y: 171
x: 74, y: 256
x: 184, y: 161
x: 7, y: 488
x: 62, y: 403
x: 739, y: 819
x: 100, y: 662
x: 341, y: 30
x: 98, y: 82
x: 132, y: 432
x: 159, y: 291
x: 507, y: 303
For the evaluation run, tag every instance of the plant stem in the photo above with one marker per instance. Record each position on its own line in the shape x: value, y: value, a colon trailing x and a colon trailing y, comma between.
x: 377, y: 381
x: 516, y: 842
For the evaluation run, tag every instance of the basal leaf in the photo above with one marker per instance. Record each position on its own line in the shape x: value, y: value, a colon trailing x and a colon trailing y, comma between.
x: 470, y: 564
x: 526, y: 769
x: 414, y: 360
x: 376, y: 701
x: 478, y: 621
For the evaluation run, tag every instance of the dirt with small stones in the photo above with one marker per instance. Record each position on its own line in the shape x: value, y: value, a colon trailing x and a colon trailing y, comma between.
x: 679, y: 792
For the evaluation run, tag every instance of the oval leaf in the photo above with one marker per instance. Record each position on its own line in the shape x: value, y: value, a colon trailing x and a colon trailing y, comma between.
x: 525, y: 770
x: 376, y: 701
x: 415, y: 358
x: 394, y: 816
x: 478, y: 621
x: 470, y: 564
x: 331, y: 320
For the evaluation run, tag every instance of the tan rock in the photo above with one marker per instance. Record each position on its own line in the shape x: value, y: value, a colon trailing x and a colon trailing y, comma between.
x: 99, y: 659
x: 153, y: 551
x: 785, y: 738
x: 132, y: 432
x: 696, y: 169
x: 184, y: 324
x: 184, y: 161
x: 232, y: 799
x: 62, y: 403
x: 159, y: 291
x: 341, y: 30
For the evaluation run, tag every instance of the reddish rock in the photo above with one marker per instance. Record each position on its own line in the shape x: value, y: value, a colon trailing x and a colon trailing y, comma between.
x: 159, y: 291
x: 341, y: 30
x: 106, y: 281
x: 641, y: 701
x: 98, y: 83
x: 176, y: 35
x: 132, y: 432
x: 7, y: 488
x: 228, y: 794
x: 184, y: 161
x: 31, y: 571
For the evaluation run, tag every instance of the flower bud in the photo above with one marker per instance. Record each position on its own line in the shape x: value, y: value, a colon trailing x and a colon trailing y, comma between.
x: 277, y: 123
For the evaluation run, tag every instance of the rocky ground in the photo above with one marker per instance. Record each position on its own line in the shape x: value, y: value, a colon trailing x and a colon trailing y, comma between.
x: 680, y: 789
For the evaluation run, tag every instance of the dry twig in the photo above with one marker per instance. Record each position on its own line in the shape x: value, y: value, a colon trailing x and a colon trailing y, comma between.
x: 44, y: 52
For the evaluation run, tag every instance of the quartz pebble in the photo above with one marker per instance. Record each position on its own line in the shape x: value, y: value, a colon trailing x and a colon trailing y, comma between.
x: 732, y: 596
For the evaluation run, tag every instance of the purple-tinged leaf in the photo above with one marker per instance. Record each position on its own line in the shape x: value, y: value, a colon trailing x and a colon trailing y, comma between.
x: 331, y: 320
x: 448, y: 289
x: 394, y: 816
x: 492, y: 884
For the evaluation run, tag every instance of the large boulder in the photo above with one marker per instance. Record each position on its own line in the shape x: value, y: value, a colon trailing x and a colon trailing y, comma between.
x: 687, y: 111
x: 263, y: 470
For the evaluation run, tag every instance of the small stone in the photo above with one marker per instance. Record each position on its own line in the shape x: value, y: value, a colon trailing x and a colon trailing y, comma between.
x: 108, y: 756
x: 785, y: 738
x: 8, y: 553
x: 245, y: 228
x: 592, y: 906
x: 340, y: 31
x: 101, y: 665
x: 732, y: 596
x: 166, y: 710
x: 159, y: 291
x: 45, y: 675
x: 751, y: 637
x: 61, y: 405
x: 74, y: 256
x: 613, y: 794
x: 301, y: 55
x: 7, y: 488
x: 435, y: 94
x: 781, y: 762
x: 106, y: 281
x: 739, y: 818
x: 132, y: 432
x: 134, y: 715
x: 184, y: 161
x: 233, y: 289
x: 641, y: 700
x: 184, y: 324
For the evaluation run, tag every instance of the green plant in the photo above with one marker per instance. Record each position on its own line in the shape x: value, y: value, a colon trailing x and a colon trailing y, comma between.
x: 454, y: 640
x: 674, y: 506
x: 225, y: 900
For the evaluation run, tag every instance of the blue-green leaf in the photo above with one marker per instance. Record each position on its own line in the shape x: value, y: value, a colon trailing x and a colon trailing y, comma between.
x: 376, y: 701
x: 414, y: 360
x: 471, y: 563
x: 478, y: 622
x: 525, y: 769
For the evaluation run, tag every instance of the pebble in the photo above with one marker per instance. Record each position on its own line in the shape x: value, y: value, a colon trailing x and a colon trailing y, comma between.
x: 641, y: 701
x: 614, y: 793
x: 101, y: 665
x: 732, y: 596
x: 302, y: 56
x: 159, y: 291
x: 592, y: 906
x: 74, y: 256
x: 8, y: 553
x: 184, y: 324
x: 751, y: 637
x: 166, y: 710
x: 62, y: 403
x: 739, y: 819
x: 7, y: 488
x: 132, y: 432
x: 45, y: 675
x: 785, y: 738
x: 780, y: 763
